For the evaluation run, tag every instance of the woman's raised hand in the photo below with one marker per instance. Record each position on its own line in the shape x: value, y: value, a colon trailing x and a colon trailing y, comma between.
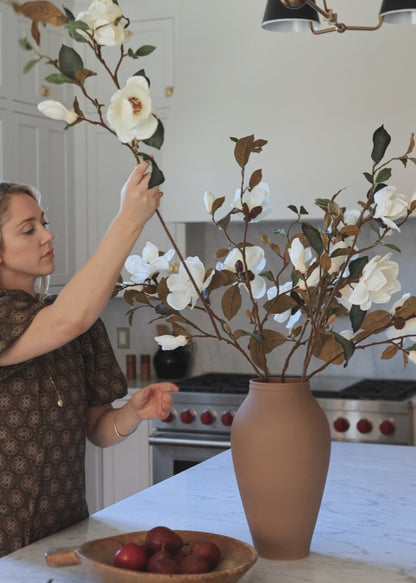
x: 138, y: 200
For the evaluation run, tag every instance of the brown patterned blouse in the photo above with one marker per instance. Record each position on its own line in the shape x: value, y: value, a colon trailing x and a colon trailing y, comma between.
x: 42, y: 445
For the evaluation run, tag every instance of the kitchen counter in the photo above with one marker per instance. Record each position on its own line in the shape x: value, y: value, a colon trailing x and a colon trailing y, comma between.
x: 366, y: 529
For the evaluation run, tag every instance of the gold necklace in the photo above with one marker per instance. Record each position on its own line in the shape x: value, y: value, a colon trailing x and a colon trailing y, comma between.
x: 60, y: 400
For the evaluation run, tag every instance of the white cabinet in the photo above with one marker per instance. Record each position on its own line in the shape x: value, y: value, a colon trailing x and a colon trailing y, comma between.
x: 102, y: 163
x: 36, y: 150
x: 119, y: 471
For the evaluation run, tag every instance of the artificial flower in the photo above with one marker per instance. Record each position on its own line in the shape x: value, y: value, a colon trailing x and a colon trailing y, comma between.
x: 182, y: 288
x: 169, y: 342
x: 130, y: 112
x: 390, y: 206
x: 300, y: 256
x: 209, y: 199
x: 149, y: 263
x: 55, y: 110
x: 257, y: 197
x: 377, y: 283
x: 255, y: 262
x: 289, y: 316
x: 103, y: 19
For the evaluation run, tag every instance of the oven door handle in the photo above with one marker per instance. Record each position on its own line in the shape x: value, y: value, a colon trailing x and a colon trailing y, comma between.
x: 192, y: 442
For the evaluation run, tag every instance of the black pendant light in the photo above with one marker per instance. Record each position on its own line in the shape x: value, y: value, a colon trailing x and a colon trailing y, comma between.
x: 279, y: 18
x: 399, y: 11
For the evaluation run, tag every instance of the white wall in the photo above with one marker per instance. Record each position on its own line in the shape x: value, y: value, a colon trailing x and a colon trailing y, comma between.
x: 316, y: 99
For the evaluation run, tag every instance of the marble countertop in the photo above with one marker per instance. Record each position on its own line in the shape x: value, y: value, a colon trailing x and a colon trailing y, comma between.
x: 366, y: 529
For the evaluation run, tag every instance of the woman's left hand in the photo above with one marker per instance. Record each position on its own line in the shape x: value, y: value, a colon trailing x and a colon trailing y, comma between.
x: 153, y: 401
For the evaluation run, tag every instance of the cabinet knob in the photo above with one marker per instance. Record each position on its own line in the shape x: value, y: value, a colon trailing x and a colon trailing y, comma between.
x: 45, y: 91
x: 169, y: 91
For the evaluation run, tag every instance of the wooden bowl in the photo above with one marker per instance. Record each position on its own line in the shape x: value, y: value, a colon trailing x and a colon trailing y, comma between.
x: 97, y: 556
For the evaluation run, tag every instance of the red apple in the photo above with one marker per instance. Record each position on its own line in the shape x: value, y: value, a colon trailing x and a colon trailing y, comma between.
x: 208, y: 551
x: 130, y: 556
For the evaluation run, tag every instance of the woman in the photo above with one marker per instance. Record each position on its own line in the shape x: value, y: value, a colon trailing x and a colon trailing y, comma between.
x: 58, y: 373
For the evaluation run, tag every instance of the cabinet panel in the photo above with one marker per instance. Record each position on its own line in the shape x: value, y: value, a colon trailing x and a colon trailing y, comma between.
x: 43, y: 157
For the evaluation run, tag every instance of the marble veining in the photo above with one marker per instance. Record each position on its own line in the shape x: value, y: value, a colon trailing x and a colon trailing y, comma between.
x: 366, y: 529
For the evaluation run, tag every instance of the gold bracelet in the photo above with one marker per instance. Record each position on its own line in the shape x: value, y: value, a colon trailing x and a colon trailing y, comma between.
x: 116, y: 431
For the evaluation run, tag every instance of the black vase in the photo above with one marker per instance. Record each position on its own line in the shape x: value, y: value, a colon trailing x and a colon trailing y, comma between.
x: 171, y: 364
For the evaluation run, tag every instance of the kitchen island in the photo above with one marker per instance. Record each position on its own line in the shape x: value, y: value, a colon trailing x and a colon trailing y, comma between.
x: 366, y: 529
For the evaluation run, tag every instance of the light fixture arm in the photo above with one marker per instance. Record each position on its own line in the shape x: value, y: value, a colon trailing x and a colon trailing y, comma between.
x: 330, y: 16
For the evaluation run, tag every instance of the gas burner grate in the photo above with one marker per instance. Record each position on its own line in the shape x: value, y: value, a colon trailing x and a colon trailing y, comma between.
x: 379, y: 390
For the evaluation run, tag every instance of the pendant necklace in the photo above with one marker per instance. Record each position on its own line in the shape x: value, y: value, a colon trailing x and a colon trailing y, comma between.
x: 60, y: 401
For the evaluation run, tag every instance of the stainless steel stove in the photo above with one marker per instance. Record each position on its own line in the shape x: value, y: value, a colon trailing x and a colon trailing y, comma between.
x: 199, y: 425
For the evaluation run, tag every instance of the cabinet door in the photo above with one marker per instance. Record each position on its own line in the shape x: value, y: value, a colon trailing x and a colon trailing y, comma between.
x: 127, y: 466
x: 43, y: 157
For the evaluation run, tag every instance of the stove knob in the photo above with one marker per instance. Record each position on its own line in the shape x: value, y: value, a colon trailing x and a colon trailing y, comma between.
x: 364, y: 426
x: 169, y: 418
x: 208, y: 417
x: 227, y: 418
x: 387, y: 427
x: 341, y: 424
x: 187, y: 416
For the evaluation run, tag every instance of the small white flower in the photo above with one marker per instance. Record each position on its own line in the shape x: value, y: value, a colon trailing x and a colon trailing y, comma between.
x: 130, y: 112
x: 412, y: 356
x: 351, y: 216
x: 143, y: 267
x: 255, y: 264
x: 209, y: 201
x: 103, y: 18
x: 377, y: 283
x: 258, y: 196
x: 390, y: 206
x: 409, y: 326
x: 338, y: 260
x: 182, y: 290
x: 169, y: 342
x: 55, y: 110
x: 300, y: 256
x: 287, y: 316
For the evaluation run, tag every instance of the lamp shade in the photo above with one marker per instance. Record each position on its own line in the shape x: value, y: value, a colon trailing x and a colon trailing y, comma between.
x: 399, y: 11
x: 279, y: 18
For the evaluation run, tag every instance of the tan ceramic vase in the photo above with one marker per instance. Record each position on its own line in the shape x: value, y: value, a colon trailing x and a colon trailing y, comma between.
x: 280, y: 444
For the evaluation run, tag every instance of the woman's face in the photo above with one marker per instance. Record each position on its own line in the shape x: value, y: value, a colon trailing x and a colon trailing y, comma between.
x: 27, y: 249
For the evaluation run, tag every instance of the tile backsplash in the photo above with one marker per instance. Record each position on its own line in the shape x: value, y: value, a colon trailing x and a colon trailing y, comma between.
x: 203, y: 240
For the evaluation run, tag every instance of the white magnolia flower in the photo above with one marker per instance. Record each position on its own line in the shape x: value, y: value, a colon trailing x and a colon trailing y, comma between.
x: 351, y: 216
x: 258, y: 196
x: 150, y: 262
x: 287, y: 315
x: 300, y: 256
x: 412, y: 355
x: 130, y: 112
x: 182, y: 290
x: 55, y: 110
x: 169, y: 342
x: 389, y: 206
x: 338, y: 260
x: 255, y: 264
x: 209, y: 201
x: 412, y: 199
x: 377, y: 283
x: 103, y: 18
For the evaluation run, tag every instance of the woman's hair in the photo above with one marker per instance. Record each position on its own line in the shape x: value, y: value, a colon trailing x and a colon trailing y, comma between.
x: 7, y: 190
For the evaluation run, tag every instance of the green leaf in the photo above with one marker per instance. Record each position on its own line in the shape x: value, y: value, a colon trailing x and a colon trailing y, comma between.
x: 303, y: 211
x: 57, y: 78
x: 73, y: 30
x: 357, y: 266
x: 314, y: 237
x: 381, y: 140
x: 69, y: 61
x: 357, y: 315
x: 391, y: 246
x: 347, y: 346
x: 157, y: 176
x: 30, y: 65
x: 293, y: 208
x: 156, y: 141
x: 145, y: 50
x: 69, y: 14
x: 369, y: 177
x: 383, y: 175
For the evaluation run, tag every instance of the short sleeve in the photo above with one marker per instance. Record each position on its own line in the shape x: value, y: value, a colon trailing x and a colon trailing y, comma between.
x: 104, y: 378
x: 17, y: 310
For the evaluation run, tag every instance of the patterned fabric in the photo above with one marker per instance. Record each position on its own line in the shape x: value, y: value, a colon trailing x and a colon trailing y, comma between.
x: 42, y: 446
